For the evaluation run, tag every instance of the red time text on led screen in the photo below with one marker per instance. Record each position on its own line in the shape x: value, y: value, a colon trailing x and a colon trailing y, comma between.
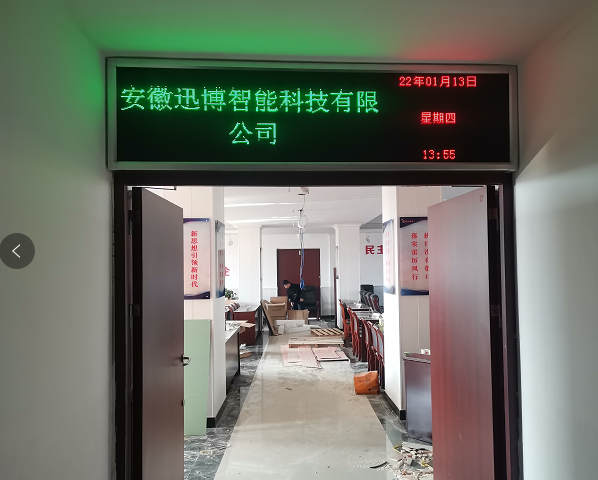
x: 435, y: 155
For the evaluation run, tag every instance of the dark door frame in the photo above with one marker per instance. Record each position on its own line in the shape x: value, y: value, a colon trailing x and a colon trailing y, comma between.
x: 507, y: 409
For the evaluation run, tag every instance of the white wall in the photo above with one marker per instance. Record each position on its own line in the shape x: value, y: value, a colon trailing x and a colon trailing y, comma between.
x: 272, y: 242
x: 406, y: 319
x: 55, y: 338
x: 371, y: 266
x: 207, y: 202
x: 250, y: 269
x: 348, y: 283
x: 414, y: 311
x: 557, y: 250
x: 231, y: 256
x: 392, y: 329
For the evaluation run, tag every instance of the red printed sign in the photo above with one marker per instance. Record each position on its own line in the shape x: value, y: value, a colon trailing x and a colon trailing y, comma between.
x: 413, y: 247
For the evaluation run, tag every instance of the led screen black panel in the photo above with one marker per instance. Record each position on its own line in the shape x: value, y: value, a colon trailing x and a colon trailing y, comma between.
x: 196, y: 116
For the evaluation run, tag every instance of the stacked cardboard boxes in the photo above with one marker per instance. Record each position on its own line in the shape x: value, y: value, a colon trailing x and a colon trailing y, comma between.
x: 278, y: 314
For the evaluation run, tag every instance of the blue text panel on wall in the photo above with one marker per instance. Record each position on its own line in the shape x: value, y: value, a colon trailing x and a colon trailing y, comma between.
x: 194, y: 115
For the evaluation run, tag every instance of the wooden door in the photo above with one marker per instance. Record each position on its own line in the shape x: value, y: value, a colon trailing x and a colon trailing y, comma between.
x: 466, y: 397
x: 158, y: 339
x: 289, y: 264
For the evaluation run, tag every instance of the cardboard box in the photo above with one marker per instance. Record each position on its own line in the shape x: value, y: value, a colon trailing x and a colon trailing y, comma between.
x: 276, y: 309
x: 284, y: 300
x: 298, y: 315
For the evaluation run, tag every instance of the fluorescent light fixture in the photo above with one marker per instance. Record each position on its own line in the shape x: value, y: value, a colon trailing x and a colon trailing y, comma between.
x: 256, y: 204
x: 261, y: 220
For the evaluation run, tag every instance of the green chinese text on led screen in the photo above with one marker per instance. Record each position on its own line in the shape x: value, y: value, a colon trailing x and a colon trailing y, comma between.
x: 241, y: 100
x: 265, y: 131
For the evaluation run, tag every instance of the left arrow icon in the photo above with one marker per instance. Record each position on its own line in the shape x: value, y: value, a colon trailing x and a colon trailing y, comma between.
x: 19, y: 256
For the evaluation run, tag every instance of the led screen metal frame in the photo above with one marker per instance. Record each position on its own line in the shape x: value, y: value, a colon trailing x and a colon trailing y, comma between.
x: 114, y: 164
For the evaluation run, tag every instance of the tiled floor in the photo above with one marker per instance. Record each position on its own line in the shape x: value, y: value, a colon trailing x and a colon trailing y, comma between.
x: 295, y: 423
x: 203, y: 454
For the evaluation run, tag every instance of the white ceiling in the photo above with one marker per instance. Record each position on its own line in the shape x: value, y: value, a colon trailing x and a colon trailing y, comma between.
x: 278, y: 207
x: 484, y: 31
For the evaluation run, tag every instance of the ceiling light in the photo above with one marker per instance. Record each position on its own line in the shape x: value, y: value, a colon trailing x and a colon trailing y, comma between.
x: 257, y: 204
x: 260, y: 220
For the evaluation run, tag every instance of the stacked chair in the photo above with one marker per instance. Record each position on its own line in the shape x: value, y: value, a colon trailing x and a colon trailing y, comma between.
x: 229, y: 309
x: 367, y: 340
x: 371, y: 300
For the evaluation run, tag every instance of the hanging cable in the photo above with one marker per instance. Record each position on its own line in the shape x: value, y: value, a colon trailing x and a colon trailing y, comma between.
x: 301, y: 281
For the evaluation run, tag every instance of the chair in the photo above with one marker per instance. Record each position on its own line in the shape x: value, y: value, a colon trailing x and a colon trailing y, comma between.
x: 380, y: 354
x: 310, y: 300
x: 376, y: 304
x: 355, y: 338
x: 370, y: 355
x: 368, y: 299
x: 346, y: 319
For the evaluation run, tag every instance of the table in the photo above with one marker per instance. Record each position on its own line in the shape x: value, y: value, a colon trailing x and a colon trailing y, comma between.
x: 250, y: 314
x: 233, y: 360
x: 361, y: 308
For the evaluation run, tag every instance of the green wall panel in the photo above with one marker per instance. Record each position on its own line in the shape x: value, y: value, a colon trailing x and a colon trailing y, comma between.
x: 197, y: 375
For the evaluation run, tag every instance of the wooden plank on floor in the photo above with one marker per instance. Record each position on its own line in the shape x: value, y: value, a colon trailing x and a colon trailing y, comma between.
x: 325, y: 353
x: 295, y: 342
x: 342, y: 355
x: 326, y: 332
x: 307, y: 358
x: 290, y: 358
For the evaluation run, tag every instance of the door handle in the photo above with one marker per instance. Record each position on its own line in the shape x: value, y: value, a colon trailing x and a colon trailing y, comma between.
x: 186, y: 360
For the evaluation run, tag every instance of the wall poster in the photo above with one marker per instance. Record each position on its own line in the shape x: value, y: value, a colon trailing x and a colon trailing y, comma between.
x: 388, y: 238
x: 196, y: 245
x: 220, y: 255
x: 413, y: 255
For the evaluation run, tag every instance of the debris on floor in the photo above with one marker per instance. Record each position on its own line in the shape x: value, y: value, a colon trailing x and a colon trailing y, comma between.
x: 245, y: 354
x: 412, y: 461
x: 329, y: 354
x: 306, y: 356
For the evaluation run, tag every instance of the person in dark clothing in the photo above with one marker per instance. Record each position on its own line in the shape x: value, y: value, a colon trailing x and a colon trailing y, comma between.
x: 294, y: 293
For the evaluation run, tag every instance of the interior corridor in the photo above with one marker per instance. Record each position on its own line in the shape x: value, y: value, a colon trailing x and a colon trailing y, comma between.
x: 296, y: 422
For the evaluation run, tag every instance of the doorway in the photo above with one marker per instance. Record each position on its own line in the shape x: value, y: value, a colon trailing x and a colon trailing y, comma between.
x: 288, y: 266
x: 500, y: 437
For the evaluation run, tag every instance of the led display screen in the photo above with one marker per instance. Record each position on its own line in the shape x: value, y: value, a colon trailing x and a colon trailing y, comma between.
x: 178, y: 115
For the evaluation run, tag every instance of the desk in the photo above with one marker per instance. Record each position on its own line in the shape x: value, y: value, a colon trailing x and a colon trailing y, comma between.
x: 250, y: 314
x: 233, y: 361
x: 357, y: 307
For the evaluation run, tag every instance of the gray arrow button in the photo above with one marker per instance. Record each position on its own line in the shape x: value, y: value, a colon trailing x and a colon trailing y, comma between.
x: 17, y: 250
